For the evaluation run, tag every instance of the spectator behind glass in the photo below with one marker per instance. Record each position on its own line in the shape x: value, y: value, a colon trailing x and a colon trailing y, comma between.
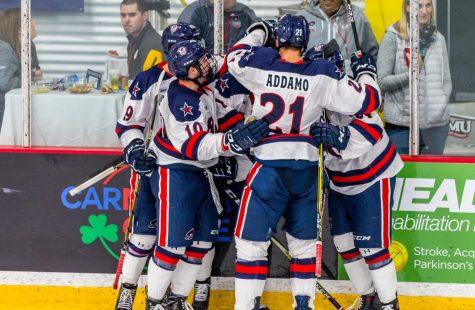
x: 237, y: 18
x: 145, y: 44
x: 10, y: 53
x: 435, y: 83
x: 329, y: 19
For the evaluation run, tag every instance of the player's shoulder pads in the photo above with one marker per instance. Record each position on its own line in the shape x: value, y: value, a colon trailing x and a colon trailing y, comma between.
x: 228, y: 86
x: 183, y: 102
x: 144, y: 80
x: 259, y: 57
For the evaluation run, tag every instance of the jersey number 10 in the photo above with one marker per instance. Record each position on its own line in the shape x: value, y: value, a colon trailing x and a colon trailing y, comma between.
x: 278, y: 109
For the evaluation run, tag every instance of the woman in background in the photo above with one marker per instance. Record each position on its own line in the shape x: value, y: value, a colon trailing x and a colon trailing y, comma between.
x: 10, y: 54
x: 435, y: 82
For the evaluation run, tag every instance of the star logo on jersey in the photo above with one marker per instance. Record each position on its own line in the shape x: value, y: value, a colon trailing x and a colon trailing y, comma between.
x: 135, y: 90
x: 249, y: 54
x: 223, y: 84
x: 339, y: 72
x: 186, y: 110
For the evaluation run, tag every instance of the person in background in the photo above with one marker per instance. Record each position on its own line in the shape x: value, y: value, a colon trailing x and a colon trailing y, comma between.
x: 435, y: 81
x: 145, y: 48
x: 10, y: 53
x: 329, y: 19
x: 237, y: 18
x: 36, y: 74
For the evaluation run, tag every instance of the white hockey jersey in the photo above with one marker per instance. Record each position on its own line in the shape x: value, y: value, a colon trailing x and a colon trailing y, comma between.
x: 230, y: 93
x: 291, y: 96
x: 369, y: 157
x: 191, y: 123
x: 139, y: 101
x: 138, y: 104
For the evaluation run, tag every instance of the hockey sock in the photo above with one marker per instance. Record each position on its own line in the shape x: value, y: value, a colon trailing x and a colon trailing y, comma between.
x: 383, y: 272
x: 302, y: 268
x: 250, y: 271
x: 206, y: 266
x: 138, y: 249
x: 354, y: 264
x: 250, y: 281
x: 187, y: 269
x: 160, y: 270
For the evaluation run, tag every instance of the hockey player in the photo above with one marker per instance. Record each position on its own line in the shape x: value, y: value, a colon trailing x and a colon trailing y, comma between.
x: 290, y: 95
x: 362, y: 170
x: 137, y: 112
x: 187, y: 146
x: 229, y: 175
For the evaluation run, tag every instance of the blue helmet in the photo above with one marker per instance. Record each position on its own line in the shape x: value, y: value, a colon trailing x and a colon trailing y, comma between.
x: 316, y: 53
x: 292, y: 31
x: 179, y: 32
x: 186, y: 54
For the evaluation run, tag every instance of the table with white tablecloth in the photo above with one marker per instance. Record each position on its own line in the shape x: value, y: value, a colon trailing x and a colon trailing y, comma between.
x: 64, y: 119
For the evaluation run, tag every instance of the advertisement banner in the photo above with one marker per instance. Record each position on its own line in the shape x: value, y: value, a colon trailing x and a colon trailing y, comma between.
x: 47, y: 230
x: 433, y: 222
x: 47, y: 5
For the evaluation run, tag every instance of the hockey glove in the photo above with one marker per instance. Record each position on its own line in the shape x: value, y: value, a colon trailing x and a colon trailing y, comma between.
x: 134, y: 154
x: 225, y: 169
x: 242, y: 137
x: 330, y: 135
x: 268, y: 27
x: 363, y: 65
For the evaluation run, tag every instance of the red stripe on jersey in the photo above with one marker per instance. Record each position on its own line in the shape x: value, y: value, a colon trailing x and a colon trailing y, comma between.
x: 302, y: 268
x: 372, y: 105
x: 163, y: 196
x: 370, y: 172
x: 385, y: 196
x: 373, y: 132
x: 195, y: 254
x: 252, y: 269
x: 379, y: 259
x: 245, y: 199
x: 351, y: 255
x: 133, y: 186
x: 192, y: 143
x: 166, y: 259
x: 230, y: 122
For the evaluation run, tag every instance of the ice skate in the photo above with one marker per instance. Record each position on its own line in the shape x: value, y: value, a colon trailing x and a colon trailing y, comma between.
x: 366, y: 302
x: 125, y: 300
x: 393, y: 305
x: 176, y: 302
x: 202, y: 294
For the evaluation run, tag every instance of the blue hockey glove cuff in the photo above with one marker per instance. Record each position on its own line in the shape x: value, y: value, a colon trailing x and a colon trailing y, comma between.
x: 242, y: 137
x: 363, y: 65
x: 330, y: 135
x: 140, y: 162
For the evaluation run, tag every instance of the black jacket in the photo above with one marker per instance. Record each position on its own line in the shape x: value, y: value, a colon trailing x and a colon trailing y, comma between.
x: 236, y: 20
x: 144, y: 51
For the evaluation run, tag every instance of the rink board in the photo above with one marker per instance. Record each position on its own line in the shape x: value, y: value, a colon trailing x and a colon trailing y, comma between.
x: 43, y: 233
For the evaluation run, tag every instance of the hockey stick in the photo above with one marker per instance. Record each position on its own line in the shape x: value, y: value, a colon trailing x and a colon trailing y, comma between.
x: 148, y: 139
x: 359, y: 52
x: 319, y: 245
x: 320, y: 288
x: 115, y: 165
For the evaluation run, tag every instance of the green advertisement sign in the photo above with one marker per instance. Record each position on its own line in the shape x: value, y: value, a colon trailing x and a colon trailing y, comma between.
x: 433, y: 221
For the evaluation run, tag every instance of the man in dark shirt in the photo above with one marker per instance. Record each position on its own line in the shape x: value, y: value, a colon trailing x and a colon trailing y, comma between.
x: 237, y: 18
x: 145, y: 44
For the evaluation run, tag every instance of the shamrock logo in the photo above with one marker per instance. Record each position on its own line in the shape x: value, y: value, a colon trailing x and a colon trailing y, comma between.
x: 100, y: 230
